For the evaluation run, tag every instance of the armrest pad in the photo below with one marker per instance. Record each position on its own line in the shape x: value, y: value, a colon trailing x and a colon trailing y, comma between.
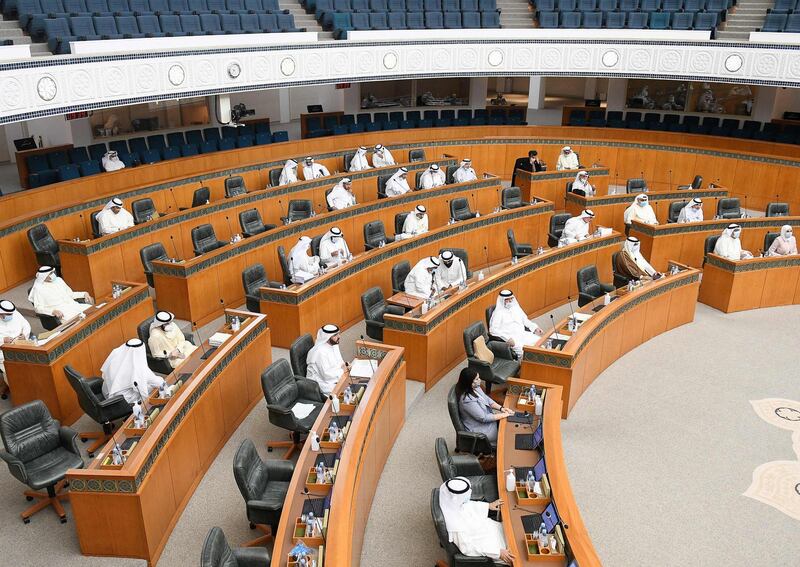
x: 280, y: 470
x: 501, y: 349
x: 251, y: 556
x: 586, y: 297
x: 474, y: 361
x: 69, y: 439
x: 467, y: 465
x: 264, y: 505
x: 376, y: 324
x: 395, y: 310
x: 16, y: 466
x: 280, y: 410
x: 309, y: 389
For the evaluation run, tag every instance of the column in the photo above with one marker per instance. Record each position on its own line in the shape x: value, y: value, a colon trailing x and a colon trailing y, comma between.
x: 536, y: 89
x: 478, y: 87
x: 590, y: 88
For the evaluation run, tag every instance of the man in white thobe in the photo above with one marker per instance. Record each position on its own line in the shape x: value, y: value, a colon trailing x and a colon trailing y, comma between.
x: 577, y: 228
x: 469, y: 526
x: 433, y: 177
x: 303, y: 266
x: 398, y: 183
x: 420, y: 280
x: 341, y: 196
x: 692, y: 212
x: 167, y: 340
x: 111, y: 161
x: 382, y: 157
x: 567, y: 159
x: 510, y: 323
x: 581, y: 183
x: 312, y: 170
x: 324, y: 360
x: 288, y: 173
x: 12, y: 326
x: 416, y: 223
x: 451, y: 271
x: 729, y: 244
x: 114, y: 217
x: 125, y: 372
x: 51, y: 295
x: 465, y: 172
x: 359, y: 162
x: 333, y: 249
x: 640, y: 210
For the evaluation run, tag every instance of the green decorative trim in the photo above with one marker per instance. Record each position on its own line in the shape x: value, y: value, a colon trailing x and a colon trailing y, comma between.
x: 523, y: 267
x: 375, y: 257
x: 370, y: 352
x: 715, y: 225
x: 563, y: 174
x: 541, y: 356
x: 46, y: 358
x: 589, y: 202
x: 769, y: 263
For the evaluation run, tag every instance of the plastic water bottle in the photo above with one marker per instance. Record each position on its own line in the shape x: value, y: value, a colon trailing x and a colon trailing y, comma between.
x: 511, y: 481
x: 333, y: 431
x: 310, y: 523
x: 531, y: 394
x: 530, y: 481
x: 543, y: 539
x: 538, y: 406
x: 235, y: 324
x: 162, y: 390
x: 320, y: 473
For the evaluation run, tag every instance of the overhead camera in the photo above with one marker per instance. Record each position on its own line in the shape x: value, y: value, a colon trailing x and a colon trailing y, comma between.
x: 239, y: 111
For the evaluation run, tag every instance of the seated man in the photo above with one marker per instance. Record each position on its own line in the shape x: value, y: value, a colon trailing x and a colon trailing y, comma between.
x: 451, y: 271
x: 477, y: 410
x: 382, y: 157
x: 416, y: 223
x: 167, y: 340
x: 692, y: 212
x: 567, y: 159
x: 785, y: 244
x: 313, y: 170
x: 360, y: 161
x: 341, y: 196
x: 581, y: 185
x: 577, y: 228
x: 420, y: 280
x: 433, y: 177
x: 398, y: 183
x: 111, y: 161
x: 510, y: 323
x: 289, y: 173
x: 531, y: 163
x: 333, y: 249
x: 12, y: 326
x: 729, y: 244
x: 465, y: 172
x: 469, y: 526
x: 114, y: 218
x: 324, y: 360
x: 631, y: 264
x: 51, y: 295
x: 303, y: 266
x: 125, y: 372
x: 641, y: 211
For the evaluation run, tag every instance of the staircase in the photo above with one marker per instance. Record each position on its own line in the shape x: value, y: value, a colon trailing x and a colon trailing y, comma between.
x: 303, y: 19
x: 515, y: 14
x: 747, y: 16
x: 10, y: 30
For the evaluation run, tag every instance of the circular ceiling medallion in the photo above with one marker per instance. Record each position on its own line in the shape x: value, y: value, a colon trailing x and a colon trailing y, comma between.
x: 46, y: 88
x: 234, y: 70
x: 390, y: 60
x: 495, y: 57
x: 176, y: 75
x: 287, y: 66
x: 610, y: 58
x: 789, y: 414
x: 733, y: 63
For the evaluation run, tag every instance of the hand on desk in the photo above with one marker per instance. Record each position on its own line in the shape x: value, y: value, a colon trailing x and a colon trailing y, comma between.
x: 508, y: 411
x: 88, y: 298
x: 7, y: 340
x: 58, y: 314
x: 505, y: 555
x: 538, y: 331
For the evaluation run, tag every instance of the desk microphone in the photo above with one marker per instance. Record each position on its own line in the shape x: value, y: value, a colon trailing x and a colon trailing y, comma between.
x: 174, y: 200
x: 518, y: 507
x: 174, y: 248
x: 670, y: 180
x: 82, y: 226
x: 230, y: 228
x: 553, y: 321
x: 486, y: 256
x: 199, y: 338
x: 474, y: 206
x: 575, y: 321
x: 139, y: 393
x: 745, y: 206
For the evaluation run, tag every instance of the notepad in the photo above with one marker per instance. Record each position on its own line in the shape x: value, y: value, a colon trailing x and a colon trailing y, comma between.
x: 523, y: 442
x: 363, y: 368
x: 582, y: 317
x: 302, y: 411
x: 218, y: 338
x: 315, y: 505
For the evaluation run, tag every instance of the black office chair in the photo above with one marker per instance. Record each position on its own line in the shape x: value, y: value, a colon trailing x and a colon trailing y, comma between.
x: 569, y: 189
x: 697, y: 183
x: 39, y: 452
x: 488, y: 315
x: 298, y: 354
x: 95, y: 224
x: 375, y: 307
x: 416, y: 155
x: 773, y: 210
x: 275, y: 176
x: 143, y: 210
x: 589, y: 285
x: 263, y: 485
x: 769, y: 238
x: 636, y: 186
x: 348, y: 157
x: 729, y: 208
x: 675, y: 208
x: 517, y: 249
x: 299, y: 209
x: 253, y: 278
x: 619, y: 279
x: 399, y: 221
x: 158, y: 365
x: 251, y: 223
x: 148, y: 255
x: 104, y: 411
x: 234, y: 186
x: 282, y: 390
x: 382, y: 180
x: 44, y: 247
x: 504, y: 366
x: 459, y: 209
x: 201, y: 197
x: 49, y: 322
x: 451, y: 170
x: 400, y: 272
x: 462, y: 255
x: 204, y: 239
x: 284, y: 263
x: 327, y: 204
x: 466, y: 441
x: 374, y: 234
x: 556, y: 229
x: 217, y: 552
x: 315, y: 244
x: 708, y: 246
x: 511, y: 198
x: 484, y: 486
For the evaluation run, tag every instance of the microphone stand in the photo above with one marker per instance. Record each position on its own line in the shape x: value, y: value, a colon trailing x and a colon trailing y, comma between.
x: 174, y: 247
x: 199, y: 339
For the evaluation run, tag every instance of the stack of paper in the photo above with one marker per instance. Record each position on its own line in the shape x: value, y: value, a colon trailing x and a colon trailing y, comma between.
x: 218, y: 338
x: 363, y: 368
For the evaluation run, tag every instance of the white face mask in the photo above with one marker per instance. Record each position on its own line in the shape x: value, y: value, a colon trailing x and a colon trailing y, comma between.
x: 642, y: 203
x: 50, y: 278
x: 508, y: 304
x: 7, y: 318
x: 788, y: 234
x: 736, y: 233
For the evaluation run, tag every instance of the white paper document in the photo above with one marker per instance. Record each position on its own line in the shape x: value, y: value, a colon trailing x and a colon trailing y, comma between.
x: 363, y: 368
x: 559, y: 337
x: 582, y: 317
x: 301, y: 411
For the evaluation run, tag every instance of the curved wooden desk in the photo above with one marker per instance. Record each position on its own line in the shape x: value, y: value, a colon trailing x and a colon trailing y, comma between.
x: 375, y: 423
x: 750, y: 284
x: 130, y: 511
x: 579, y: 543
x: 434, y: 342
x: 685, y: 243
x: 634, y: 318
x: 36, y: 372
x: 555, y: 189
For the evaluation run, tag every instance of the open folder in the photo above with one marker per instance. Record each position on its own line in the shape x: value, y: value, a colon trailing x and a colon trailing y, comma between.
x: 363, y: 368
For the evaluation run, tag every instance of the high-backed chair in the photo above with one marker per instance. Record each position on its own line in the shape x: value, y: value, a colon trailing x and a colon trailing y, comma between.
x: 234, y: 186
x: 299, y: 209
x: 400, y: 272
x: 416, y: 155
x: 201, y: 196
x: 104, y: 411
x: 589, y: 285
x: 516, y: 248
x: 697, y: 182
x: 382, y: 180
x: 298, y: 354
x: 275, y: 176
x: 619, y: 279
x: 284, y: 263
x: 253, y: 278
x: 462, y: 255
x: 708, y: 246
x: 282, y: 390
x: 501, y: 368
x: 204, y: 239
x: 375, y: 307
x: 769, y: 238
x: 511, y: 198
x: 637, y: 185
x: 374, y: 234
x: 251, y: 223
x: 773, y: 210
x: 348, y: 157
x: 466, y: 441
x: 148, y: 255
x: 729, y: 208
x: 44, y: 246
x: 217, y: 552
x: 557, y: 223
x: 263, y: 485
x: 399, y: 221
x: 39, y: 451
x: 484, y: 486
x: 143, y: 210
x: 675, y: 208
x: 159, y: 365
x: 95, y: 224
x: 459, y: 209
x: 451, y: 169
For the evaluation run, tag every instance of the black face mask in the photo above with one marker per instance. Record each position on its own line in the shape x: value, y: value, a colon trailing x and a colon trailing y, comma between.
x: 448, y: 264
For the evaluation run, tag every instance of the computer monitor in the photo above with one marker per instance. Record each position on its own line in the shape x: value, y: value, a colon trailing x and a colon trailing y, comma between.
x: 539, y: 469
x: 550, y: 518
x: 537, y: 436
x: 23, y: 144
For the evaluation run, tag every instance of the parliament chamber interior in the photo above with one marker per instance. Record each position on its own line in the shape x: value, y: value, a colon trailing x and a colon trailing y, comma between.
x: 399, y: 283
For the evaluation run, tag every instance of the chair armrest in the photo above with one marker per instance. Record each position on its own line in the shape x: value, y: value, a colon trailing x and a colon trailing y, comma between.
x: 607, y: 287
x: 15, y: 466
x: 395, y: 310
x: 375, y: 324
x: 251, y: 556
x: 280, y: 410
x: 95, y: 384
x: 280, y: 470
x: 69, y: 439
x: 117, y: 401
x: 501, y: 349
x: 467, y: 465
x: 474, y: 443
x: 585, y: 297
x: 477, y: 362
x: 265, y: 505
x: 309, y: 389
x: 460, y: 560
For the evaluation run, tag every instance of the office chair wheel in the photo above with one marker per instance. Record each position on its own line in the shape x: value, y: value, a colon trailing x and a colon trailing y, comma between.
x: 26, y: 520
x: 91, y: 455
x: 64, y: 520
x: 29, y: 498
x: 269, y: 449
x: 4, y: 396
x: 252, y: 526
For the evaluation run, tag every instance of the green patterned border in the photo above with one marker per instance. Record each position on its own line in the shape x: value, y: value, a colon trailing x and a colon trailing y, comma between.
x: 769, y: 263
x: 717, y: 225
x: 126, y: 486
x: 539, y: 356
x: 562, y: 174
x: 519, y: 270
x: 371, y: 352
x: 45, y: 358
x: 585, y: 202
x: 376, y: 257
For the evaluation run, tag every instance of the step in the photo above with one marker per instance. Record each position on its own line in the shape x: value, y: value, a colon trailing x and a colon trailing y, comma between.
x: 11, y: 32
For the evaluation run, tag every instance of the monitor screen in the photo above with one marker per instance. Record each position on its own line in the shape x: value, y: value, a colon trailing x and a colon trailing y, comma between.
x: 314, y: 108
x: 23, y: 144
x: 550, y: 517
x: 539, y: 469
x: 537, y: 436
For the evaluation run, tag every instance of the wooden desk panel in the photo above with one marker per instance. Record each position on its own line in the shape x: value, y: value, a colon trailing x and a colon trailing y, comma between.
x: 37, y: 372
x: 551, y: 185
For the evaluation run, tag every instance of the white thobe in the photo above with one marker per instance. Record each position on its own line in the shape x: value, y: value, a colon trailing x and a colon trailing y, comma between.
x: 325, y: 366
x: 163, y: 343
x: 383, y: 160
x: 483, y: 537
x: 463, y: 175
x: 429, y: 180
x: 413, y: 226
x: 341, y: 198
x: 305, y: 266
x: 396, y: 187
x: 57, y: 296
x: 287, y: 176
x: 419, y: 282
x: 12, y: 329
x: 688, y: 214
x: 510, y: 324
x: 645, y: 215
x: 455, y: 275
x: 567, y: 161
x: 328, y: 247
x: 359, y: 162
x: 585, y: 187
x: 316, y: 171
x: 112, y: 164
x: 731, y: 248
x: 110, y: 222
x: 575, y: 229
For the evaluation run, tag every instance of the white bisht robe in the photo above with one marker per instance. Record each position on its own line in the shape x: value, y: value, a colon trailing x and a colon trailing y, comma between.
x: 510, y: 323
x: 315, y: 171
x: 56, y: 296
x: 640, y: 210
x: 360, y: 161
x: 110, y: 222
x: 330, y: 244
x: 288, y: 173
x: 163, y: 342
x: 325, y: 363
x: 340, y: 198
x: 413, y: 226
x: 17, y: 326
x: 431, y: 179
x: 300, y: 263
x: 396, y: 185
x: 419, y: 282
x: 464, y: 173
x: 383, y: 158
x: 125, y: 365
x: 730, y: 246
x: 688, y: 214
x: 469, y: 526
